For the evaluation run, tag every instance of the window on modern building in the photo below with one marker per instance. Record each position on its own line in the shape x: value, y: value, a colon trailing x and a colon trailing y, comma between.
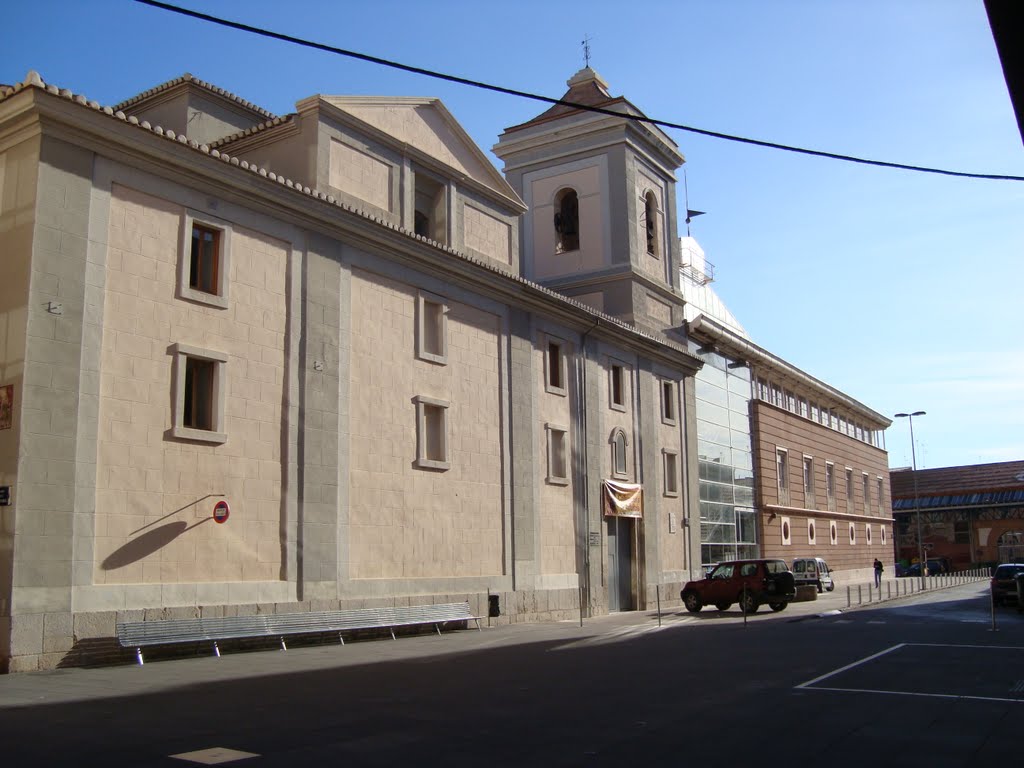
x: 199, y: 387
x: 431, y: 433
x: 558, y: 455
x: 830, y: 485
x: 803, y: 407
x: 432, y: 328
x: 668, y: 401
x: 782, y: 472
x: 651, y: 223
x: 618, y: 442
x: 555, y: 367
x: 617, y: 387
x: 866, y: 489
x: 430, y: 209
x: 808, y: 482
x: 567, y: 221
x: 204, y: 261
x: 814, y: 413
x: 671, y: 466
x: 849, y: 490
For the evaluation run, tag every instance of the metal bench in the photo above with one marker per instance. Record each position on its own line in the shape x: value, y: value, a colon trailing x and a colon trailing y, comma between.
x: 137, y: 634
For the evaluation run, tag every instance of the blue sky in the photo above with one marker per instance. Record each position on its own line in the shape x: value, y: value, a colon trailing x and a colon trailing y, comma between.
x: 901, y: 289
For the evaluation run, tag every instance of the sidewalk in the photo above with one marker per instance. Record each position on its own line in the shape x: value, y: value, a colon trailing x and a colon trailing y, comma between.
x: 85, y: 684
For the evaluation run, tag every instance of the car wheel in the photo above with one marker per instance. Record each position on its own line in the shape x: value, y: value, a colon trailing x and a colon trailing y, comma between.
x: 748, y: 602
x: 777, y: 606
x: 830, y: 587
x: 692, y: 602
x: 723, y: 606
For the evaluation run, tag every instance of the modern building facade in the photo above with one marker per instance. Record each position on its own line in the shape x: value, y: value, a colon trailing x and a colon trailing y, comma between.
x: 970, y: 515
x: 789, y: 466
x: 407, y: 384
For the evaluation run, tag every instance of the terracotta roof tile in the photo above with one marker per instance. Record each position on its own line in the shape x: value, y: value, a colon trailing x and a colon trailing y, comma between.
x: 188, y: 78
x: 255, y: 129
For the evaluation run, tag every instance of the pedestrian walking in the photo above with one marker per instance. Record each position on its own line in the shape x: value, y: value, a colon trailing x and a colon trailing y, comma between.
x: 878, y: 573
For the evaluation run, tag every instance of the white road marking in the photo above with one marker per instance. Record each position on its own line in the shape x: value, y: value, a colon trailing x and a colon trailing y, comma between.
x: 214, y: 756
x: 913, y: 693
x: 851, y: 666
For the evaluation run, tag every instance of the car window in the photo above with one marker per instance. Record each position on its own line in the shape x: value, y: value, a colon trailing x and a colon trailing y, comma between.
x: 798, y: 566
x: 722, y: 572
x: 1008, y: 571
x: 748, y: 569
x: 776, y: 566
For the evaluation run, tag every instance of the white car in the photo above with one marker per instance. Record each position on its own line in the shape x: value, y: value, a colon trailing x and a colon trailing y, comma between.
x: 813, y: 570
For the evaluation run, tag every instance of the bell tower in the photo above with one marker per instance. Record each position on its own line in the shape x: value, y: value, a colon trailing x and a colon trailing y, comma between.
x: 600, y: 189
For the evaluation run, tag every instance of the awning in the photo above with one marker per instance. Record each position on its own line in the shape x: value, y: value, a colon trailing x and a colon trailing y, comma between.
x: 622, y: 499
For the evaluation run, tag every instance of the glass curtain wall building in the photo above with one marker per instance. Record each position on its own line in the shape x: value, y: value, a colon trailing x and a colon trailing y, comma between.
x: 728, y: 522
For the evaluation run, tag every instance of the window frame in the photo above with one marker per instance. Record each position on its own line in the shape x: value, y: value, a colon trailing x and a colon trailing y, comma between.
x: 830, y: 485
x: 423, y: 299
x: 782, y: 475
x: 853, y: 534
x: 423, y: 461
x: 181, y: 353
x: 670, y: 472
x: 221, y: 299
x: 849, y: 488
x: 879, y: 491
x: 617, y: 377
x: 560, y: 433
x: 786, y: 531
x: 808, y: 478
x: 619, y: 451
x: 667, y: 388
x: 561, y: 388
x: 866, y: 486
x: 812, y: 532
x: 562, y: 244
x: 652, y: 235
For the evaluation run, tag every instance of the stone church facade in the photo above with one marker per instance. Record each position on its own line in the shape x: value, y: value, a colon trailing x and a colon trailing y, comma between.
x: 410, y: 379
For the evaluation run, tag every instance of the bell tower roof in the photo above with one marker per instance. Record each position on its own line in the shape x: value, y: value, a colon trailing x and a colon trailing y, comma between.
x: 586, y: 88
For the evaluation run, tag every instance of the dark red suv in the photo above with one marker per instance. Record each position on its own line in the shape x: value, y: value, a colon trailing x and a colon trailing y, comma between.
x: 751, y: 583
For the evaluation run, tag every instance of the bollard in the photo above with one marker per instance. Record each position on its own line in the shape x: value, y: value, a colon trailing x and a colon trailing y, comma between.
x: 860, y: 597
x: 888, y: 590
x: 657, y: 592
x: 581, y: 606
x: 848, y: 603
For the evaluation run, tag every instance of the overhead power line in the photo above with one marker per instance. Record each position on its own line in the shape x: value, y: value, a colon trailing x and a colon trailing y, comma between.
x: 548, y: 100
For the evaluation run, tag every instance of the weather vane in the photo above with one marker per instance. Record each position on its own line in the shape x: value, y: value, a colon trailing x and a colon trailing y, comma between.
x: 586, y: 49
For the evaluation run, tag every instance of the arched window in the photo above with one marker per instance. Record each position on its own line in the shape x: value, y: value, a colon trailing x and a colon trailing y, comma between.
x: 567, y: 221
x: 618, y: 442
x: 651, y: 222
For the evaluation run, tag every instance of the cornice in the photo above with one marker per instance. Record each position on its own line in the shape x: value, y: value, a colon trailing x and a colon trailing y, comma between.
x: 825, y: 515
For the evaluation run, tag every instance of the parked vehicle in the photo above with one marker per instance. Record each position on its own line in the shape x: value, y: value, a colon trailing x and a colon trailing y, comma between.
x: 814, y: 571
x: 1004, y: 583
x: 935, y: 567
x: 751, y: 583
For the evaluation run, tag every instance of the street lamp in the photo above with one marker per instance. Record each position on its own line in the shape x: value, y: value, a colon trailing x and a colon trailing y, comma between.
x: 917, y: 506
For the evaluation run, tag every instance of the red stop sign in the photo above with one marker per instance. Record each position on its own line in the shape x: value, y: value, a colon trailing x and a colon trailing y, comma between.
x: 221, y: 512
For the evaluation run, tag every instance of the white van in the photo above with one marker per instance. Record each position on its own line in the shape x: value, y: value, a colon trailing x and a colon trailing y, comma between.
x: 813, y: 570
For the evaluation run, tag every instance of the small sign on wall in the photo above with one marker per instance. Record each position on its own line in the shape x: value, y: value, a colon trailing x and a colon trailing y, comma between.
x: 6, y: 406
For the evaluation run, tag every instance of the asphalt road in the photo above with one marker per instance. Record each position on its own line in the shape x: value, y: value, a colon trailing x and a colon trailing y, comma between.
x: 922, y: 678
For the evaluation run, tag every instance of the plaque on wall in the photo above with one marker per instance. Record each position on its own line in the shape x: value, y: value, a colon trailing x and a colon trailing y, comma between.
x: 6, y: 406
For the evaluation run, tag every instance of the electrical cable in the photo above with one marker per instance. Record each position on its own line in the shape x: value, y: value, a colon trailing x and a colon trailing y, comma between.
x: 549, y: 100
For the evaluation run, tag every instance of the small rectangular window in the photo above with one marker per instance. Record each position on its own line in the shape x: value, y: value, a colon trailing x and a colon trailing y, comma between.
x: 558, y: 455
x: 432, y: 328
x: 866, y: 487
x: 617, y: 394
x: 431, y: 433
x: 849, y: 490
x: 878, y: 495
x: 204, y: 262
x: 555, y: 367
x: 668, y: 402
x: 198, y: 398
x: 671, y: 482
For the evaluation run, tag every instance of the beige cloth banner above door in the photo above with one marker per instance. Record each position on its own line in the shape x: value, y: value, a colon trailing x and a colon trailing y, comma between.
x: 622, y: 499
